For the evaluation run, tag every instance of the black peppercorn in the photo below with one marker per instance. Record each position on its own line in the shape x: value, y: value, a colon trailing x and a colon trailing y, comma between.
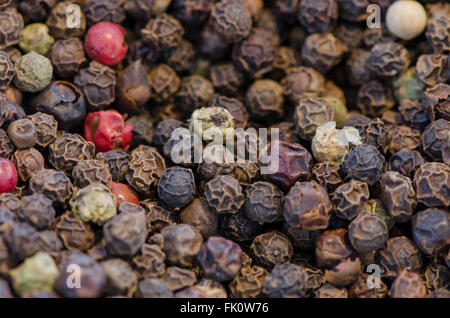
x: 302, y: 82
x: 163, y: 32
x: 91, y: 171
x: 53, y: 184
x: 104, y: 10
x: 74, y: 233
x: 263, y: 202
x: 271, y: 249
x: 46, y: 128
x: 195, y: 91
x: 181, y: 57
x: 176, y: 187
x: 6, y: 145
x: 318, y: 16
x: 264, y: 99
x: 67, y: 57
x: 431, y: 230
x: 349, y: 198
x: 368, y: 232
x: 432, y: 181
x: 23, y: 133
x: 285, y: 281
x: 150, y: 261
x: 37, y: 210
x: 201, y: 216
x: 239, y: 227
x: 164, y: 82
x: 182, y: 243
x: 388, y: 59
x: 37, y: 10
x: 7, y: 71
x: 226, y: 78
x: 57, y: 21
x: 28, y: 162
x: 231, y: 19
x: 434, y: 138
x: 408, y: 285
x: 363, y: 163
x: 331, y: 247
x: 11, y: 22
x: 224, y: 194
x: 117, y: 162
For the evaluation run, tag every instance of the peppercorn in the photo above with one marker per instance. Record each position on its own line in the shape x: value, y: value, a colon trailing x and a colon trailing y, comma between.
x: 271, y: 249
x: 143, y: 130
x: 212, y: 45
x: 435, y: 100
x: 199, y: 215
x: 432, y: 193
x: 122, y: 280
x: 388, y: 59
x: 406, y: 19
x: 318, y: 16
x: 163, y: 32
x: 37, y: 10
x: 437, y: 32
x: 101, y: 10
x: 363, y: 163
x: 430, y: 229
x: 374, y: 98
x: 6, y: 145
x: 367, y: 232
x: 311, y: 113
x: 248, y: 282
x: 414, y: 113
x: 231, y: 19
x: 434, y: 138
x: 149, y: 262
x: 37, y: 210
x: 154, y: 288
x: 67, y: 57
x: 8, y: 175
x: 181, y: 244
x: 33, y: 72
x: 331, y: 247
x: 46, y: 128
x: 263, y: 202
x: 92, y: 277
x: 74, y: 233
x: 408, y: 285
x: 226, y: 78
x: 14, y: 95
x: 181, y: 57
x: 157, y: 216
x: 37, y: 272
x: 327, y: 175
x: 436, y: 276
x: 302, y: 82
x: 285, y: 281
x: 239, y: 227
x: 212, y: 124
x: 23, y: 133
x: 7, y: 71
x: 330, y: 291
x: 35, y: 37
x: 431, y: 69
x: 164, y: 82
x: 235, y: 107
x: 12, y: 26
x: 184, y: 147
x: 91, y: 171
x: 356, y: 67
x: 360, y: 289
x: 57, y: 21
x: 349, y: 198
x: 53, y: 184
x: 286, y: 132
x: 406, y: 162
x: 195, y: 91
x: 264, y: 99
x: 9, y: 111
x: 178, y: 278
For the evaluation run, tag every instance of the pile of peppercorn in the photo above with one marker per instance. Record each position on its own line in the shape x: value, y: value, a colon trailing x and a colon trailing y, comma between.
x: 95, y: 95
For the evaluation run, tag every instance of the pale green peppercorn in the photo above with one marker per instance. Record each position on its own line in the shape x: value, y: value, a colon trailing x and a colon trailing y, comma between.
x: 376, y: 206
x: 33, y: 72
x: 94, y: 203
x: 36, y: 37
x: 340, y: 110
x: 38, y: 272
x: 408, y: 86
x: 212, y: 123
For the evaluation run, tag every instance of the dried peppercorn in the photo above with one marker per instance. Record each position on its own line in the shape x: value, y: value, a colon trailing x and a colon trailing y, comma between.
x: 224, y: 194
x: 22, y: 133
x: 91, y: 171
x: 37, y: 10
x: 231, y: 19
x: 375, y: 133
x: 125, y: 234
x: 12, y: 26
x: 154, y: 288
x: 212, y: 45
x: 176, y: 187
x: 14, y: 95
x: 406, y: 162
x: 192, y: 12
x: 307, y: 206
x: 248, y: 282
x: 350, y: 34
x: 353, y: 10
x: 182, y: 243
x: 285, y: 58
x: 57, y: 21
x: 149, y: 262
x: 246, y: 172
x: 414, y: 113
x: 435, y: 100
x: 344, y: 273
x: 6, y: 145
x: 21, y: 239
x: 219, y: 258
x: 74, y: 233
x: 400, y: 253
x: 263, y: 202
x: 212, y: 124
x: 374, y: 98
x: 98, y: 83
x: 195, y: 91
x: 437, y: 32
x: 53, y: 184
x: 388, y: 59
x: 164, y: 82
x: 271, y: 249
x: 331, y: 247
x: 184, y: 147
x: 199, y: 215
x: 143, y: 130
x: 349, y: 198
x: 226, y: 78
x: 318, y: 16
x: 117, y: 161
x: 158, y: 217
x: 360, y: 289
x: 7, y: 74
x: 330, y: 291
x: 436, y: 276
x: 434, y: 138
x: 327, y: 175
x: 164, y: 130
x: 67, y: 57
x: 430, y: 229
x: 285, y: 280
x: 178, y: 278
x: 37, y: 210
x: 431, y: 69
x: 101, y: 10
x: 66, y: 151
x: 302, y: 82
x: 368, y: 232
x: 239, y: 227
x: 235, y: 107
x: 33, y: 72
x: 363, y: 163
x: 28, y: 162
x: 286, y: 132
x: 408, y: 86
x: 323, y: 51
x: 46, y: 128
x: 408, y: 285
x: 92, y: 276
x: 35, y: 37
x: 432, y: 184
x: 180, y: 57
x: 163, y: 32
x: 122, y: 280
x: 264, y: 99
x: 311, y: 113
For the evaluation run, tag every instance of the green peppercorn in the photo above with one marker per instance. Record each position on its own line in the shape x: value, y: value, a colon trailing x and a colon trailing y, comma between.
x: 33, y: 72
x: 376, y: 206
x: 94, y: 203
x: 36, y: 272
x: 408, y: 86
x: 340, y: 110
x: 211, y: 123
x: 36, y: 37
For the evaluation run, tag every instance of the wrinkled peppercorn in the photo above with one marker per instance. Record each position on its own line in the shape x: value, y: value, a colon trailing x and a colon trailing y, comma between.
x: 263, y: 202
x: 199, y: 215
x: 102, y: 10
x: 163, y: 32
x: 327, y: 175
x: 349, y: 198
x: 28, y: 162
x: 360, y: 289
x: 414, y: 113
x: 248, y: 282
x: 6, y: 145
x: 374, y: 98
x: 285, y: 281
x: 37, y: 10
x: 224, y: 194
x: 53, y: 184
x: 181, y: 57
x: 158, y: 217
x: 430, y: 69
x: 431, y: 230
x: 176, y: 187
x: 67, y: 57
x: 318, y: 16
x: 363, y: 163
x: 192, y: 12
x: 195, y: 91
x: 37, y: 210
x: 91, y: 171
x: 271, y: 249
x: 234, y: 107
x: 239, y: 227
x: 35, y: 37
x: 122, y: 280
x: 302, y: 82
x: 368, y: 232
x: 7, y: 71
x: 149, y: 262
x: 181, y: 244
x: 74, y: 233
x: 431, y: 181
x: 406, y: 162
x: 388, y: 59
x: 46, y: 128
x: 226, y: 78
x: 231, y: 19
x: 311, y: 113
x: 22, y: 133
x: 164, y: 82
x: 434, y: 137
x: 437, y: 32
x: 408, y: 285
x: 436, y: 101
x: 331, y: 247
x: 178, y: 278
x: 264, y: 99
x: 57, y: 21
x: 12, y: 26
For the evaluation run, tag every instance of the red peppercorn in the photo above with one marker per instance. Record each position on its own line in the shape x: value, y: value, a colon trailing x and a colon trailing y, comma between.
x: 8, y: 176
x: 123, y: 192
x: 105, y: 43
x: 107, y: 130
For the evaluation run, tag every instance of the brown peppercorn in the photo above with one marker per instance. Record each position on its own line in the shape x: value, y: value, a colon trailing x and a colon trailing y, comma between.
x: 192, y: 12
x: 368, y: 232
x: 195, y: 91
x: 331, y: 247
x: 57, y: 21
x: 360, y: 289
x: 125, y: 234
x: 53, y: 184
x: 37, y: 10
x: 374, y: 98
x: 436, y: 276
x: 67, y: 57
x: 226, y: 78
x: 408, y: 285
x: 178, y: 278
x: 158, y: 217
x: 7, y: 71
x: 255, y: 55
x: 437, y: 32
x: 154, y: 288
x: 150, y: 261
x: 239, y: 227
x: 353, y: 10
x: 263, y: 202
x: 400, y: 253
x: 302, y: 82
x: 406, y: 162
x: 164, y: 130
x: 14, y: 95
x: 11, y: 22
x: 181, y: 57
x: 91, y: 171
x: 285, y: 58
x: 212, y: 45
x: 344, y: 273
x: 37, y: 210
x: 93, y: 279
x: 436, y: 100
x: 330, y: 291
x: 434, y: 138
x: 104, y: 10
x: 6, y: 145
x: 431, y: 69
x: 286, y: 10
x: 163, y: 32
x: 182, y: 243
x: 9, y: 112
x: 66, y: 151
x: 248, y: 282
x: 246, y: 172
x: 199, y: 215
x: 143, y: 131
x: 122, y: 280
x: 327, y: 175
x: 388, y: 59
x: 22, y: 133
x: 403, y: 137
x: 117, y: 161
x: 398, y: 195
x: 9, y: 201
x: 431, y: 230
x: 307, y: 206
x: 145, y: 168
x: 164, y: 82
x: 231, y: 19
x: 98, y: 83
x: 22, y: 240
x: 286, y: 132
x: 46, y: 128
x: 264, y: 99
x: 286, y: 281
x: 357, y: 71
x: 219, y: 258
x: 132, y: 89
x: 224, y: 194
x: 139, y: 50
x: 234, y: 107
x: 28, y: 162
x: 318, y: 16
x: 349, y: 198
x: 271, y: 249
x: 364, y: 163
x: 323, y: 51
x: 375, y: 133
x: 350, y: 34
x: 74, y: 233
x: 184, y: 147
x: 414, y: 113
x: 311, y: 113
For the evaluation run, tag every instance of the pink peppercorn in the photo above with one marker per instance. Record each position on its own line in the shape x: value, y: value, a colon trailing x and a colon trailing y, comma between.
x: 105, y: 43
x: 8, y: 176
